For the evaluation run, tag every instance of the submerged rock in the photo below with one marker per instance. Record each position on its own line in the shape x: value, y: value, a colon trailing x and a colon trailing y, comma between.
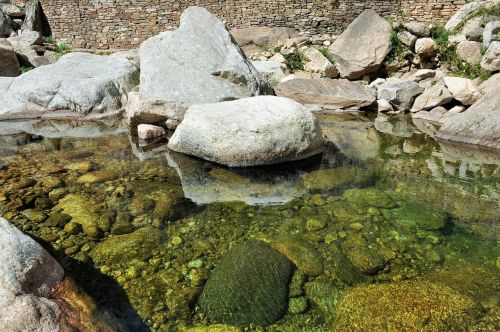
x: 362, y: 47
x: 406, y: 306
x: 96, y: 177
x: 252, y: 131
x: 79, y: 208
x: 411, y: 215
x: 301, y: 253
x: 248, y: 286
x: 335, y: 178
x: 369, y: 197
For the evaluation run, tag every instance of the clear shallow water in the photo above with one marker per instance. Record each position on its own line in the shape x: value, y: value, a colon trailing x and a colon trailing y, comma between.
x: 141, y: 228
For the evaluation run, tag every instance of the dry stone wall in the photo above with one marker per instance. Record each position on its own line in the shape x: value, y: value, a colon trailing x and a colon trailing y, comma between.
x: 123, y: 24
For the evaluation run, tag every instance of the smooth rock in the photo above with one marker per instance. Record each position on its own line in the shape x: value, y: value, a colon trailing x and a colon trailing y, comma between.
x: 9, y: 65
x: 470, y: 51
x: 338, y: 93
x: 422, y: 74
x: 425, y: 46
x: 263, y: 36
x: 271, y: 71
x: 251, y: 131
x: 301, y: 253
x: 407, y: 38
x: 418, y: 28
x: 468, y: 9
x: 234, y: 295
x: 79, y: 208
x: 316, y: 62
x: 11, y: 10
x: 146, y: 131
x: 278, y: 57
x: 491, y: 59
x: 490, y: 33
x: 400, y: 94
x: 433, y: 96
x: 464, y: 90
x: 478, y: 125
x: 362, y: 47
x: 96, y: 177
x: 97, y: 85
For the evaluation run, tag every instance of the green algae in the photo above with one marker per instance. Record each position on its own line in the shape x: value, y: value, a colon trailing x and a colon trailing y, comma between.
x: 410, y: 215
x: 330, y: 179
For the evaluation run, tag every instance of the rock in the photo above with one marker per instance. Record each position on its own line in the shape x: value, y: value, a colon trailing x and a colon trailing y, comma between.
x: 79, y: 166
x: 418, y: 28
x: 462, y: 89
x: 175, y: 76
x: 263, y: 36
x: 278, y: 57
x: 325, y: 297
x: 433, y: 96
x: 301, y: 253
x: 11, y: 10
x: 479, y: 125
x: 400, y: 94
x: 490, y: 33
x: 425, y: 46
x: 6, y: 25
x: 491, y: 84
x: 33, y: 20
x: 469, y: 8
x: 79, y: 208
x: 145, y: 131
x: 422, y: 74
x: 407, y: 38
x: 369, y: 197
x: 97, y: 85
x: 384, y: 106
x: 434, y: 116
x: 96, y: 177
x: 272, y: 72
x: 410, y: 215
x: 25, y: 39
x: 407, y: 306
x: 336, y: 178
x: 362, y: 47
x: 251, y: 131
x: 470, y: 51
x: 316, y: 62
x: 452, y: 112
x: 365, y: 260
x: 140, y: 109
x: 331, y: 93
x: 167, y: 205
x: 491, y: 59
x: 234, y: 295
x: 9, y: 66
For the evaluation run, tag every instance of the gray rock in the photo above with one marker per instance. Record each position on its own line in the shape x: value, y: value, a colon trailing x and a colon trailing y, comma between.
x: 362, y: 47
x: 433, y: 96
x: 140, y: 109
x: 146, y: 131
x: 23, y: 45
x: 252, y: 131
x: 418, y: 28
x: 6, y: 25
x: 196, y: 64
x: 491, y: 31
x: 263, y: 36
x: 491, y: 59
x: 470, y: 51
x: 479, y: 125
x: 462, y: 89
x: 384, y: 106
x: 407, y: 38
x: 78, y: 85
x: 468, y: 9
x: 9, y: 66
x: 248, y: 286
x: 400, y: 94
x: 33, y: 19
x: 491, y: 84
x: 333, y: 94
x: 11, y: 10
x: 316, y: 62
x: 433, y: 116
x: 273, y: 72
x: 425, y: 46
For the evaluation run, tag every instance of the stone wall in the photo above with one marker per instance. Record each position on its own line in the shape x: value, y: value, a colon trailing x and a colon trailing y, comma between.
x: 123, y: 24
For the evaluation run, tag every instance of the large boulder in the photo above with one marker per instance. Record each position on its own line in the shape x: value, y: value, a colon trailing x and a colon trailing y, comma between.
x: 479, y: 125
x: 9, y: 66
x: 490, y: 33
x: 79, y: 85
x: 463, y: 89
x: 491, y: 59
x: 33, y: 21
x: 198, y: 63
x: 5, y: 25
x: 24, y: 45
x: 334, y: 94
x: 248, y: 286
x: 433, y: 96
x: 400, y: 94
x: 463, y: 13
x: 362, y: 47
x: 248, y: 132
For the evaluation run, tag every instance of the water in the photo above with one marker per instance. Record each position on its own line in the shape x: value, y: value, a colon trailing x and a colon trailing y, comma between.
x: 386, y: 212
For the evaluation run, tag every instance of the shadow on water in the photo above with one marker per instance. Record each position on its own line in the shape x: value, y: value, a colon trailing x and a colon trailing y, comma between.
x: 111, y: 299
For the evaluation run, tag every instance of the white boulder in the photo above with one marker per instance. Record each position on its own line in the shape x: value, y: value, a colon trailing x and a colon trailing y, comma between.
x: 425, y: 46
x: 464, y: 90
x: 147, y: 131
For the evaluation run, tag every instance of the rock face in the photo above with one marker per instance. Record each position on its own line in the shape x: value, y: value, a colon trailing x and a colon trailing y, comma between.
x: 491, y: 59
x: 9, y: 66
x: 470, y: 51
x: 27, y: 277
x: 491, y: 30
x: 316, y: 62
x: 479, y: 125
x: 198, y: 63
x: 362, y: 47
x: 400, y: 94
x: 463, y: 89
x: 247, y: 132
x: 436, y: 95
x: 468, y: 9
x: 33, y: 18
x: 248, y: 286
x: 332, y: 93
x: 78, y: 85
x: 407, y: 306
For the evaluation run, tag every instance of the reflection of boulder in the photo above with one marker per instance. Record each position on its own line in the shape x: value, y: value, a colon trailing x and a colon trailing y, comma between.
x: 353, y: 135
x: 468, y: 154
x: 205, y: 183
x: 397, y: 125
x: 154, y: 148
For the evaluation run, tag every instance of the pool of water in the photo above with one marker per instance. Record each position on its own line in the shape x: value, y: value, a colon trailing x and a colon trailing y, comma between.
x: 386, y: 216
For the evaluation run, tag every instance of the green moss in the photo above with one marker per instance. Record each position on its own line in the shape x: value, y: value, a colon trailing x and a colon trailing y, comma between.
x: 416, y: 215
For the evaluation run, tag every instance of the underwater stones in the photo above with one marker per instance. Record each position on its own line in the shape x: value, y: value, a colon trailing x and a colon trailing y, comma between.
x: 248, y: 132
x: 406, y: 306
x: 79, y: 208
x: 166, y: 204
x: 141, y: 204
x: 34, y: 215
x: 96, y: 177
x: 120, y: 249
x: 324, y: 296
x: 410, y: 215
x: 365, y: 260
x: 333, y: 178
x: 301, y: 253
x: 57, y: 219
x: 369, y: 197
x: 80, y: 166
x: 248, y: 286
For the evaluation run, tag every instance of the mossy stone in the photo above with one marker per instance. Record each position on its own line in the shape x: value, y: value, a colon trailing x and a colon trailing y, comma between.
x: 34, y: 215
x: 365, y: 260
x: 324, y: 296
x: 165, y: 208
x: 57, y: 219
x: 298, y: 305
x: 411, y: 215
x: 80, y: 209
x: 369, y: 197
x: 301, y: 253
x: 96, y: 177
x: 248, y: 286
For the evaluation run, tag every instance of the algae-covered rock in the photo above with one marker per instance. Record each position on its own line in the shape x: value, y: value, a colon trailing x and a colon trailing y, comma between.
x: 333, y: 178
x: 324, y: 296
x: 301, y: 253
x: 404, y: 306
x: 248, y: 286
x: 416, y: 215
x: 365, y: 260
x: 123, y: 248
x: 96, y: 177
x: 166, y: 205
x: 369, y: 197
x: 79, y: 208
